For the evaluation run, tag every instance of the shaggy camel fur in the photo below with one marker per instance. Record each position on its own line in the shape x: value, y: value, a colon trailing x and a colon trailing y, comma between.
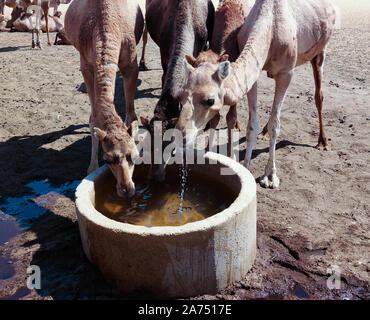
x: 106, y: 33
x: 179, y: 28
x: 277, y: 36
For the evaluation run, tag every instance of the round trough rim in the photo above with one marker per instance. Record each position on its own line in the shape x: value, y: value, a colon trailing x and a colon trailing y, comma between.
x: 244, y: 198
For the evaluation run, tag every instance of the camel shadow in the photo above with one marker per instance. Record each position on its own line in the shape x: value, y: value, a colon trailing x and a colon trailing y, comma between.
x: 66, y: 272
x: 256, y: 152
x: 57, y: 248
x: 11, y: 49
x: 24, y: 159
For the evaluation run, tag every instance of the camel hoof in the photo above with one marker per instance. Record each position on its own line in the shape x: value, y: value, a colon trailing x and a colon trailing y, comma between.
x: 321, y: 146
x: 142, y: 66
x: 264, y: 136
x: 273, y: 182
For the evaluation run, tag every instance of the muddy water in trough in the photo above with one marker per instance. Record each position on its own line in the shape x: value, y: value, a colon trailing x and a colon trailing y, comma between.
x: 184, y: 197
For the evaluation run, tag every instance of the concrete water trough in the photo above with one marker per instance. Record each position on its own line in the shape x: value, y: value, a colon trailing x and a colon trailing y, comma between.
x: 200, y: 257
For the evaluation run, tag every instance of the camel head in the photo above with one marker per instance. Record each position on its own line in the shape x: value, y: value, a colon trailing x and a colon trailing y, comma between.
x: 120, y: 153
x: 203, y: 92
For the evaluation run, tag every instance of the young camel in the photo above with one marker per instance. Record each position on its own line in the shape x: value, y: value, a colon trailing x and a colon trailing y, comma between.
x: 229, y: 18
x: 106, y: 33
x: 277, y: 36
x: 179, y: 28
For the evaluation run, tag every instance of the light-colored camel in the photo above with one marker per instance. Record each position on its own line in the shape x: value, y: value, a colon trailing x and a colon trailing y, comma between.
x: 179, y: 28
x: 229, y: 18
x: 277, y: 36
x: 44, y: 5
x: 106, y: 33
x: 27, y: 21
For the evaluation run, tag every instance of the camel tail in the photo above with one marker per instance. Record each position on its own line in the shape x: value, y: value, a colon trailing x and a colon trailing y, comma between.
x: 338, y: 20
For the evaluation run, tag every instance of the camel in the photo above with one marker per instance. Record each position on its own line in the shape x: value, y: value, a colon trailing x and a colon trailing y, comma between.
x: 178, y: 28
x: 35, y: 5
x: 277, y: 36
x: 55, y: 22
x: 229, y: 18
x: 27, y: 21
x: 106, y: 33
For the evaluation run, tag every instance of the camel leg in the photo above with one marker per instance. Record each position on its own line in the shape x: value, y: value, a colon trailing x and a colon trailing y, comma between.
x: 142, y: 65
x: 317, y: 66
x: 130, y: 75
x: 252, y: 128
x: 45, y: 8
x: 88, y: 76
x: 282, y: 81
x: 212, y: 125
x: 38, y: 43
x: 33, y: 38
x: 231, y: 120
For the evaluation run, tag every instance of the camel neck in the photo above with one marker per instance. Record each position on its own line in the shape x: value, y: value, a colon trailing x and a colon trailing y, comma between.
x: 247, y: 68
x: 183, y: 45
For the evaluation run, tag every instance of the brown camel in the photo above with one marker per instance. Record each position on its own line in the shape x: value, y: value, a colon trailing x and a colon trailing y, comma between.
x: 277, y: 36
x: 106, y: 33
x: 179, y: 28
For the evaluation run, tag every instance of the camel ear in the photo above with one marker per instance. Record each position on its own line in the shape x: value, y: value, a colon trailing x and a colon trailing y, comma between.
x: 144, y: 122
x: 223, y: 70
x: 188, y: 66
x: 134, y: 128
x: 99, y: 134
x: 191, y: 60
x: 223, y: 58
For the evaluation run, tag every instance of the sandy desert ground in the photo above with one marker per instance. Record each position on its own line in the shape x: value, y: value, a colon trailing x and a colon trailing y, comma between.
x: 317, y: 219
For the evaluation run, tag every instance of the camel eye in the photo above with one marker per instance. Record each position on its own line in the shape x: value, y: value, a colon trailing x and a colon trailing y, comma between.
x: 208, y: 102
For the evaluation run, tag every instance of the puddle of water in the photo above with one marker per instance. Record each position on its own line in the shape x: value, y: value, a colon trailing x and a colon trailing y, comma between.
x: 6, y: 269
x: 9, y: 228
x: 301, y: 293
x: 27, y: 209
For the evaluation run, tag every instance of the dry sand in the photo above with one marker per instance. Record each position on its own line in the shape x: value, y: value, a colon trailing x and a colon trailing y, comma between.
x: 319, y: 216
